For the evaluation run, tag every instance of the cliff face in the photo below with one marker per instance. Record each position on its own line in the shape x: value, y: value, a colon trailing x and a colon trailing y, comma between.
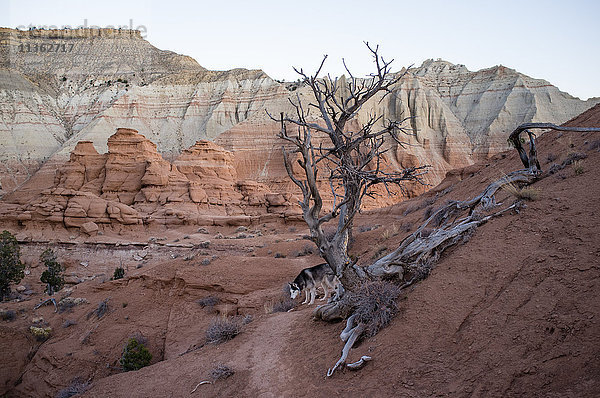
x: 111, y: 79
x: 133, y: 185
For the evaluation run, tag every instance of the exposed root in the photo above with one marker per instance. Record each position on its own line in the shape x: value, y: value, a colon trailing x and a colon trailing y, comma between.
x: 199, y: 384
x: 360, y: 363
x: 352, y: 335
x: 50, y: 300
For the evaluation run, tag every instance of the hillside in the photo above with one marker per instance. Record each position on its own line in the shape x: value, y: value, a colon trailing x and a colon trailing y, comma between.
x: 513, y: 312
x: 111, y: 79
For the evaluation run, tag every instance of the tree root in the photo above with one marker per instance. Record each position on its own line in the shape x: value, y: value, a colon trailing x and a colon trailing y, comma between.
x: 199, y: 384
x: 360, y: 363
x: 350, y: 334
x: 50, y: 300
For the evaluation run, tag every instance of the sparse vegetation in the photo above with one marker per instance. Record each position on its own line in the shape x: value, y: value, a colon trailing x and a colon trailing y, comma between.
x: 119, y: 273
x: 224, y: 328
x: 390, y: 232
x: 551, y: 158
x: 135, y: 355
x: 67, y: 323
x: 525, y: 193
x: 374, y: 304
x: 283, y: 303
x: 594, y: 145
x: 8, y: 315
x: 578, y: 167
x: 40, y: 333
x: 68, y: 303
x: 221, y: 372
x: 209, y: 301
x: 101, y: 310
x: 307, y: 250
x: 77, y: 386
x: 11, y: 267
x: 205, y: 261
x: 573, y: 157
x: 53, y: 275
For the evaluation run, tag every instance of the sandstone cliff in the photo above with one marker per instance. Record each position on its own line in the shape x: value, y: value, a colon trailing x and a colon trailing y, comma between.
x: 112, y: 79
x: 133, y: 185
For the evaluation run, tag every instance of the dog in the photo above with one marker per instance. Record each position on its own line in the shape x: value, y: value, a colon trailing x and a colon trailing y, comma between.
x: 310, y: 278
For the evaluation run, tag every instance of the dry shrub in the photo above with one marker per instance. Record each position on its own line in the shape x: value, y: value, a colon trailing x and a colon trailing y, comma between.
x: 221, y: 372
x: 578, y: 167
x: 101, y: 310
x: 283, y: 303
x: 68, y: 303
x: 551, y: 158
x: 209, y: 301
x: 573, y: 156
x: 555, y: 168
x: 77, y: 386
x: 594, y: 145
x: 223, y: 329
x: 8, y: 315
x: 526, y: 193
x: 375, y: 305
x: 390, y: 232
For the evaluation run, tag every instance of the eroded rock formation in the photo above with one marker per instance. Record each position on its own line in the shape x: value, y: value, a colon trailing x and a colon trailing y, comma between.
x: 133, y: 185
x: 114, y: 78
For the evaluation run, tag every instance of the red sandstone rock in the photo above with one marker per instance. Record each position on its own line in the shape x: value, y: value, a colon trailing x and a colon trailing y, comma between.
x: 132, y: 184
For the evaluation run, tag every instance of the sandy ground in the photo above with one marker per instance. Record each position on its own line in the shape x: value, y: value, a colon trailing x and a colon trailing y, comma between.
x: 513, y: 312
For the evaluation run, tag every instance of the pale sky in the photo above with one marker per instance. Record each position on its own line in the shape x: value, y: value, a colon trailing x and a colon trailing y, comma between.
x: 558, y: 41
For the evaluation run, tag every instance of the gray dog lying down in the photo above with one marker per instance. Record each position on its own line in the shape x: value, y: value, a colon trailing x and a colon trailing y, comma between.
x: 310, y: 278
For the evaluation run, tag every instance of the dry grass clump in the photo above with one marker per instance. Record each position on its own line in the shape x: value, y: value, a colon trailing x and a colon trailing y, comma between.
x: 525, y: 193
x: 283, y: 303
x: 101, y: 310
x: 578, y: 167
x: 573, y: 157
x: 68, y: 303
x: 225, y: 328
x: 221, y: 372
x: 208, y: 301
x: 8, y: 315
x: 390, y: 232
x: 375, y: 305
x: 77, y: 386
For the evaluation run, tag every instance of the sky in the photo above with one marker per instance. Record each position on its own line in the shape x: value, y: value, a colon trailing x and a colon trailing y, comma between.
x: 558, y: 41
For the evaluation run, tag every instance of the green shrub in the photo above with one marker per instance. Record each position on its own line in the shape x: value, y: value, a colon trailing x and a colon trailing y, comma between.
x: 119, y: 273
x: 11, y: 268
x: 53, y: 276
x: 135, y: 355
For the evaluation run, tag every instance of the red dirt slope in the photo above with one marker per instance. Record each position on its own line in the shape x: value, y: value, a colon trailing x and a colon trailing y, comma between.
x: 513, y: 312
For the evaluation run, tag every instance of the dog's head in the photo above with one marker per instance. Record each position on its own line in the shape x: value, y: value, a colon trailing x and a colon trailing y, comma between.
x: 294, y: 290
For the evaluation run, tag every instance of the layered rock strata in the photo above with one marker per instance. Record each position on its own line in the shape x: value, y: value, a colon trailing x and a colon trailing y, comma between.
x: 109, y: 79
x: 133, y: 185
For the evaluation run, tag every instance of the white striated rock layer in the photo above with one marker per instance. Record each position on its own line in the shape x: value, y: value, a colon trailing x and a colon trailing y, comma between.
x: 112, y: 79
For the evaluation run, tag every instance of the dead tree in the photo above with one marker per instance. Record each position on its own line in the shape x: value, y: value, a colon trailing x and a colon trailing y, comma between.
x: 351, y: 159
